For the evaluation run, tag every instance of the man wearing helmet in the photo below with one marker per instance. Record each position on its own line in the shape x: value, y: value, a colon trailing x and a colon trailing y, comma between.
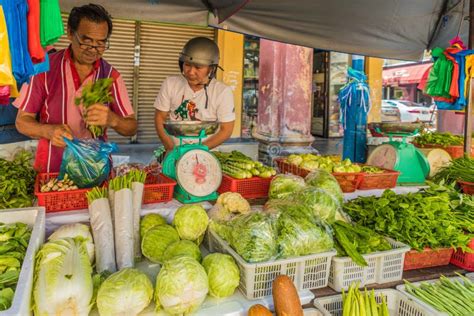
x: 195, y: 94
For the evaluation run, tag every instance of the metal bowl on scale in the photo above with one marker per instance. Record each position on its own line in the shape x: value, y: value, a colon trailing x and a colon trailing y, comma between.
x: 190, y: 128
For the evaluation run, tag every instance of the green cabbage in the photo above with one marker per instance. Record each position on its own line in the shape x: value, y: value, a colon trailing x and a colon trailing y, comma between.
x: 324, y: 180
x: 181, y: 286
x: 182, y: 248
x: 156, y: 240
x: 63, y: 278
x: 299, y: 235
x: 191, y: 221
x: 253, y: 236
x: 223, y: 274
x: 150, y: 220
x: 284, y: 185
x: 126, y: 292
x: 323, y: 204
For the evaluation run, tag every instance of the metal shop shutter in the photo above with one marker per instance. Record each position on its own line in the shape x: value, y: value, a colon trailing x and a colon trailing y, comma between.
x: 120, y: 55
x: 160, y: 45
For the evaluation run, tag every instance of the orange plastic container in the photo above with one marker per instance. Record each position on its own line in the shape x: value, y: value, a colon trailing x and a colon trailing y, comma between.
x: 466, y: 187
x: 386, y: 180
x: 464, y: 260
x: 158, y: 189
x: 427, y: 258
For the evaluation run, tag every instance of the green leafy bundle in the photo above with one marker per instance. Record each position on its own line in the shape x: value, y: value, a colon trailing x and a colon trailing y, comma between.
x: 458, y: 169
x: 439, y: 139
x: 17, y: 180
x: 14, y: 242
x: 435, y: 217
x: 96, y: 92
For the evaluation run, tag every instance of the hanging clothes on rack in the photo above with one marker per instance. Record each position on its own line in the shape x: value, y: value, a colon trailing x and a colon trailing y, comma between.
x: 51, y: 23
x: 34, y: 41
x: 15, y: 17
x: 7, y: 81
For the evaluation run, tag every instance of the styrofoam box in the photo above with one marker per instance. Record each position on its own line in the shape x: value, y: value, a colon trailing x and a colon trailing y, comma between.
x: 434, y: 312
x: 307, y: 272
x: 398, y: 304
x: 383, y: 267
x: 34, y: 217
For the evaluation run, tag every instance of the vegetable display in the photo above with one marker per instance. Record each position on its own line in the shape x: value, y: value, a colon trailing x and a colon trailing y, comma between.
x: 372, y: 169
x: 63, y: 279
x: 126, y: 292
x: 434, y: 217
x: 324, y: 180
x: 181, y: 286
x: 54, y: 184
x: 228, y: 205
x: 453, y: 297
x: 438, y: 139
x: 356, y: 303
x: 14, y: 240
x: 182, y: 248
x: 149, y: 221
x: 355, y: 240
x: 329, y: 163
x: 458, y: 169
x: 223, y: 274
x: 239, y: 166
x: 285, y: 297
x: 96, y: 92
x: 17, y: 180
x: 73, y: 231
x: 323, y: 204
x: 156, y: 240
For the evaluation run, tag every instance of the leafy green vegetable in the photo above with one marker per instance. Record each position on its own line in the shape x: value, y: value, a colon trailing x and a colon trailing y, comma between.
x: 96, y: 92
x: 149, y: 221
x: 156, y: 240
x: 299, y: 235
x: 435, y: 217
x: 63, y: 279
x: 354, y: 240
x: 191, y: 221
x: 440, y: 139
x: 324, y: 180
x: 17, y: 180
x: 76, y: 230
x: 458, y: 169
x: 126, y: 292
x: 14, y: 242
x: 284, y: 185
x: 223, y: 274
x: 181, y: 286
x: 323, y: 204
x: 182, y: 248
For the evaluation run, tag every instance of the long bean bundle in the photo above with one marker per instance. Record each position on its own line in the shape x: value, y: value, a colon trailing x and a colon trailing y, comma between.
x: 458, y: 169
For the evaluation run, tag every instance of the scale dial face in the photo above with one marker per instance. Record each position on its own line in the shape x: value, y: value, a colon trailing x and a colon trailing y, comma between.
x: 199, y: 172
x: 384, y: 156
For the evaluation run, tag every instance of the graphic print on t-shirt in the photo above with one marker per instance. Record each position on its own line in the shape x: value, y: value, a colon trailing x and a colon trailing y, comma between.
x: 186, y: 111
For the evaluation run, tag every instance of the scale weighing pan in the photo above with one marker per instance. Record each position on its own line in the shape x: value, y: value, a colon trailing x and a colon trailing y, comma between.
x: 190, y: 128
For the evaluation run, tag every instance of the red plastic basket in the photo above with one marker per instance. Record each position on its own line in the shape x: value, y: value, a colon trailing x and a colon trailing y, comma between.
x: 427, y: 258
x: 59, y: 201
x: 387, y: 179
x: 158, y: 189
x: 252, y: 188
x: 348, y: 181
x: 467, y: 187
x: 464, y: 260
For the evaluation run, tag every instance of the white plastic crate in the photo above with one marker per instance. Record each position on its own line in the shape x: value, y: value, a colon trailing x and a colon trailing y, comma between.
x: 307, y: 272
x: 398, y: 304
x: 383, y: 267
x: 34, y: 217
x: 434, y: 312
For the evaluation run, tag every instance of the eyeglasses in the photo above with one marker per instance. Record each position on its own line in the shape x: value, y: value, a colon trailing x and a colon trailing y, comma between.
x: 98, y: 48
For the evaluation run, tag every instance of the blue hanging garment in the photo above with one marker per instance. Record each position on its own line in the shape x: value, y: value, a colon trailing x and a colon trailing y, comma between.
x: 355, y: 93
x: 15, y: 18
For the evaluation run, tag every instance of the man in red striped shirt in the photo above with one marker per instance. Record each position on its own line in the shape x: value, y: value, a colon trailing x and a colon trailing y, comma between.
x: 47, y: 110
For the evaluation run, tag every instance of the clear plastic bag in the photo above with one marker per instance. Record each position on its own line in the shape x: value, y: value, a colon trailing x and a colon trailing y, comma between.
x: 324, y: 180
x: 87, y: 161
x: 284, y: 185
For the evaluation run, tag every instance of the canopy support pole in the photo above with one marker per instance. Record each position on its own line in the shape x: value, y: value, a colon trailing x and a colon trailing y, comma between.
x: 469, y: 107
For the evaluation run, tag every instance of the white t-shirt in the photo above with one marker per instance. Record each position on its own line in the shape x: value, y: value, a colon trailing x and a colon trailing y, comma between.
x: 175, y: 91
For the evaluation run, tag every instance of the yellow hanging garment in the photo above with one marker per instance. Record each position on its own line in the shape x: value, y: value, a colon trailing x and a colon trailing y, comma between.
x: 6, y: 75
